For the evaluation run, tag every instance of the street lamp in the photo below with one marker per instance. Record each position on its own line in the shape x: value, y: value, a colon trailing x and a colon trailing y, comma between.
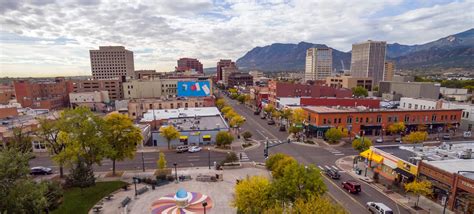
x: 204, y: 204
x: 135, y: 181
x: 209, y: 156
x: 383, y: 130
x: 143, y: 161
x: 176, y: 171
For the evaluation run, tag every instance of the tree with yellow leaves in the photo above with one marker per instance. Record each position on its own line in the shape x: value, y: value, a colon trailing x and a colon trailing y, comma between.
x: 416, y: 137
x: 419, y: 188
x: 252, y: 195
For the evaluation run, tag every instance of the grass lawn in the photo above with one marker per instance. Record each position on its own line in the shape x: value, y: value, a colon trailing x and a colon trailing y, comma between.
x: 75, y: 202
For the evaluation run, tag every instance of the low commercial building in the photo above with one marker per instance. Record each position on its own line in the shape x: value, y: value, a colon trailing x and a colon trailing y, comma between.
x: 376, y: 121
x: 153, y: 88
x: 96, y: 101
x: 43, y: 93
x: 197, y: 126
x: 7, y: 93
x: 389, y: 71
x: 397, y: 78
x: 138, y: 107
x: 455, y: 94
x: 410, y: 89
x: 113, y: 86
x: 467, y: 116
x: 8, y: 112
x: 146, y: 74
x: 346, y: 102
x: 287, y: 89
x: 349, y: 82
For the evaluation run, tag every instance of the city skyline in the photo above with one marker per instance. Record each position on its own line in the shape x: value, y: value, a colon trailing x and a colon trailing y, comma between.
x: 49, y: 38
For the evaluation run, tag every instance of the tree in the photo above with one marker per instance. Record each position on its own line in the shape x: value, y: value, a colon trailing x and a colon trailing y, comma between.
x: 286, y: 114
x: 232, y: 90
x: 312, y: 205
x: 252, y: 195
x: 269, y: 109
x: 161, y: 161
x: 236, y: 121
x: 234, y: 96
x: 247, y: 98
x: 242, y: 98
x: 276, y: 114
x: 122, y: 137
x: 278, y: 169
x: 335, y: 134
x: 360, y: 91
x: 220, y: 103
x: 225, y: 109
x: 298, y: 181
x: 397, y: 128
x: 230, y: 114
x: 48, y: 132
x: 18, y: 192
x: 272, y: 161
x: 247, y: 135
x: 294, y: 129
x: 169, y: 133
x: 421, y: 127
x: 416, y: 137
x: 298, y: 116
x: 83, y: 135
x: 21, y: 140
x: 419, y: 188
x: 361, y: 144
x: 224, y: 138
x: 376, y: 88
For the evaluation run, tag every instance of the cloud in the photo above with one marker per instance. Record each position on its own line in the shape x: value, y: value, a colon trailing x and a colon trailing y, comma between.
x: 39, y: 35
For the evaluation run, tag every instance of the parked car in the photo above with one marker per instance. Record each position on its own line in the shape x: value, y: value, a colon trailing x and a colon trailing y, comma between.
x: 256, y: 112
x: 271, y: 122
x: 398, y: 140
x: 282, y: 128
x: 332, y: 173
x: 467, y: 134
x: 41, y: 170
x: 375, y: 207
x: 379, y: 140
x: 194, y: 149
x: 262, y: 116
x: 181, y: 149
x: 351, y: 186
x: 446, y: 137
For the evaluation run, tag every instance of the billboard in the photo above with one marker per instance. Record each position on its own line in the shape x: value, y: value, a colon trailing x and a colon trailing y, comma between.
x: 194, y: 88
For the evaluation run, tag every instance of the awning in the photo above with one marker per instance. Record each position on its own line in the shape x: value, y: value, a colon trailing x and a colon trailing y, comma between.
x: 366, y: 153
x: 206, y: 136
x: 369, y: 154
x: 403, y: 173
x: 389, y: 163
x: 183, y: 137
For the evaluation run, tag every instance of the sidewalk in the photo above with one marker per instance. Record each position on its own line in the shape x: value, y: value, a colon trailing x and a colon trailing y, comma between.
x: 346, y: 164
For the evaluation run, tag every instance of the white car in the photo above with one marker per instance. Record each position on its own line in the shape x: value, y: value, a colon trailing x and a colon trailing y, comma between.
x: 379, y: 140
x: 379, y: 208
x: 194, y: 149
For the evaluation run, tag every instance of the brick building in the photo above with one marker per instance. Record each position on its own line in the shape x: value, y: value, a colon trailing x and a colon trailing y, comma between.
x: 43, y: 94
x: 239, y: 79
x: 332, y: 101
x: 375, y: 121
x: 113, y: 86
x: 286, y: 89
x: 185, y: 64
x: 222, y: 64
x: 7, y: 93
x: 8, y: 112
x: 349, y: 82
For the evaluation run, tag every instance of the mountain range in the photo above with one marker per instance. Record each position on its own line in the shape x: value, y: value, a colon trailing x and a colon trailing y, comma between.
x: 454, y: 51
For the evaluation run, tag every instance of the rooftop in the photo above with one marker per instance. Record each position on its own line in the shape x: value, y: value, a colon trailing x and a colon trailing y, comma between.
x: 396, y: 151
x: 198, y: 123
x: 179, y: 113
x: 454, y: 166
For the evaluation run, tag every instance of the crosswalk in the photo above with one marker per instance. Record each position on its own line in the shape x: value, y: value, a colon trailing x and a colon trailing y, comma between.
x: 244, y: 156
x: 271, y: 141
x: 334, y: 151
x: 329, y: 167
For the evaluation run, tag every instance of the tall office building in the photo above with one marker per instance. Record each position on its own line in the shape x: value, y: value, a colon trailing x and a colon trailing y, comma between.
x: 368, y: 60
x: 112, y: 61
x: 318, y: 63
x: 222, y: 64
x: 389, y: 71
x: 185, y: 64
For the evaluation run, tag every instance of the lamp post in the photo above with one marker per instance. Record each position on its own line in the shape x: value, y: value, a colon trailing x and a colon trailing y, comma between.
x: 176, y: 171
x: 143, y: 162
x: 383, y: 130
x: 209, y: 156
x: 204, y: 204
x: 135, y: 181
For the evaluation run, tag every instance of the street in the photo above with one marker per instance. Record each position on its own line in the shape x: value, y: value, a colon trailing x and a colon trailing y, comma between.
x: 182, y: 159
x: 322, y: 157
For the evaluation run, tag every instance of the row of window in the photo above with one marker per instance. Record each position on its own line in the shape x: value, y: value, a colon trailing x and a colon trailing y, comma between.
x: 390, y: 119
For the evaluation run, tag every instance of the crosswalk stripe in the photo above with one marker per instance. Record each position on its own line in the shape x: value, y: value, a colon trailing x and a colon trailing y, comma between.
x: 339, y: 154
x: 335, y: 167
x: 327, y: 167
x: 321, y: 167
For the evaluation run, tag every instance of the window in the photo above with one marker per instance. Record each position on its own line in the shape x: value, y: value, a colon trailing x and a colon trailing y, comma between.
x: 416, y: 106
x: 389, y: 119
x: 409, y: 105
x: 324, y: 121
x: 379, y: 118
x: 335, y: 120
x: 133, y: 114
x: 339, y: 120
x: 433, y: 117
x: 172, y: 105
x: 159, y: 105
x: 349, y: 119
x: 357, y: 120
x: 186, y: 105
x: 407, y: 118
x: 366, y: 120
x: 38, y: 145
x: 151, y: 105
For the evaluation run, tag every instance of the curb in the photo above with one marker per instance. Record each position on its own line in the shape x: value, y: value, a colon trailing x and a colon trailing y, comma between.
x: 255, y: 146
x: 352, y: 174
x: 305, y: 144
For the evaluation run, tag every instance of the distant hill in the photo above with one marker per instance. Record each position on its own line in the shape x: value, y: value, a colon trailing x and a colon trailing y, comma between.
x: 452, y: 51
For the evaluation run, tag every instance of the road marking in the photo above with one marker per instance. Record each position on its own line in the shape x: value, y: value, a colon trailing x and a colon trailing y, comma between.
x: 327, y: 167
x: 195, y: 159
x: 193, y: 156
x: 261, y: 133
x: 335, y: 167
x: 339, y: 154
x: 321, y: 167
x: 342, y: 190
x: 258, y: 124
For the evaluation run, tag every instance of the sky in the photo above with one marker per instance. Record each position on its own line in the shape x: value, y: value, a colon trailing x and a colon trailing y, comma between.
x: 53, y: 37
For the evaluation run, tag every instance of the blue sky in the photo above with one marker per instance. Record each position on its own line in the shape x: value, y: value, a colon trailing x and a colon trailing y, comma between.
x: 52, y: 37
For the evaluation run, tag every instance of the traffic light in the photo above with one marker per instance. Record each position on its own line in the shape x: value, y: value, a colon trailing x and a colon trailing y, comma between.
x: 265, y: 153
x: 288, y: 140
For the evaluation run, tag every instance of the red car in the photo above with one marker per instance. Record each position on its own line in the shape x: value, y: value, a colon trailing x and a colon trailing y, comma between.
x: 351, y: 186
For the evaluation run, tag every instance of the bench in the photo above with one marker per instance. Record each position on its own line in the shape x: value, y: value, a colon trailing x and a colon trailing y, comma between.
x: 142, y: 190
x: 125, y: 201
x: 109, y: 197
x: 185, y: 178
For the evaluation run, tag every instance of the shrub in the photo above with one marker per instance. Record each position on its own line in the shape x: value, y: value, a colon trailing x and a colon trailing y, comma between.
x: 231, y: 157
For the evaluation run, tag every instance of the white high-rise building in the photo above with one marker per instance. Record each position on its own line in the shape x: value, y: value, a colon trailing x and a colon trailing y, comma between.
x: 110, y: 62
x: 368, y: 60
x: 318, y: 63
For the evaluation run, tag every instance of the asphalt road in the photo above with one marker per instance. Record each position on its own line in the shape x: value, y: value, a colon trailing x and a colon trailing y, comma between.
x: 322, y: 157
x: 182, y: 159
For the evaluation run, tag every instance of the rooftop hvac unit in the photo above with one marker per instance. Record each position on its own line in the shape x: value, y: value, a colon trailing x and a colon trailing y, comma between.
x: 466, y: 154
